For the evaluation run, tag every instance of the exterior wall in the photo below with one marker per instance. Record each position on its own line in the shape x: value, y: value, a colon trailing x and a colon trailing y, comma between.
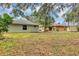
x: 73, y: 28
x: 59, y: 28
x: 67, y: 28
x: 62, y: 28
x: 19, y: 28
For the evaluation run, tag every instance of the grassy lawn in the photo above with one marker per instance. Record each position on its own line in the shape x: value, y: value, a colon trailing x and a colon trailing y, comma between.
x: 46, y: 43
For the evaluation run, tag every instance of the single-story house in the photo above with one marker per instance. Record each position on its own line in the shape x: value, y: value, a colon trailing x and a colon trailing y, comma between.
x: 58, y: 27
x: 71, y: 28
x: 61, y: 27
x: 21, y: 24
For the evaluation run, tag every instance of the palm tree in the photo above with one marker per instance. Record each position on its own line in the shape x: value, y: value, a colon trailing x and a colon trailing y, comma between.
x: 43, y: 14
x: 73, y: 15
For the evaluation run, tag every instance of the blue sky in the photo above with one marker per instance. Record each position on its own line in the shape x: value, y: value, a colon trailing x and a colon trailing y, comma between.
x: 29, y: 11
x: 57, y: 18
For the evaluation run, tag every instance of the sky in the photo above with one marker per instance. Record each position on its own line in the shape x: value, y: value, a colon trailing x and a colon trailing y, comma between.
x: 29, y: 11
x: 58, y: 16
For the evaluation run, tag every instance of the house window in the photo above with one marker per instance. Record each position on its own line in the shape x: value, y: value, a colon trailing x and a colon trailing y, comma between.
x: 35, y: 26
x: 24, y: 27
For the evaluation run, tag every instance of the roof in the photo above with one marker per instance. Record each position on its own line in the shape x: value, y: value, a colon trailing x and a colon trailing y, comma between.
x: 56, y: 24
x: 64, y: 24
x: 22, y: 21
x: 70, y: 24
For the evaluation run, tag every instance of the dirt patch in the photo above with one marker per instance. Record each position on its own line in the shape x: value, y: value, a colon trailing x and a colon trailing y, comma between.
x: 40, y: 48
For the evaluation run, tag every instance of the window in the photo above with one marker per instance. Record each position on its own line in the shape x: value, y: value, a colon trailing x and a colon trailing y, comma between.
x: 24, y: 27
x: 35, y: 26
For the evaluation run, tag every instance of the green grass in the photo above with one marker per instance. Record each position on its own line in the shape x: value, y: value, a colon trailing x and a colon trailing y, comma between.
x: 46, y: 43
x: 54, y: 35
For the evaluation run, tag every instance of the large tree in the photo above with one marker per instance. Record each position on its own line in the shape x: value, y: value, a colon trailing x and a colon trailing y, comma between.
x: 43, y: 15
x: 5, y: 20
x: 22, y: 7
x: 73, y: 16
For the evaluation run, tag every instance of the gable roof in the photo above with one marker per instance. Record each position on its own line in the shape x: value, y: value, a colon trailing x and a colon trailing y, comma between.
x: 56, y: 24
x: 70, y: 24
x: 22, y: 21
x: 64, y: 24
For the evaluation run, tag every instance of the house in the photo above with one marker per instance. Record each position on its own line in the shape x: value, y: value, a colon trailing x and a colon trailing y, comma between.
x: 64, y: 27
x: 21, y: 24
x: 72, y: 28
x: 58, y: 27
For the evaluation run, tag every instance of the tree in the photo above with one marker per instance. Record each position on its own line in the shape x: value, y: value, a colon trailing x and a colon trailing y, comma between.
x: 17, y: 12
x: 43, y: 15
x: 22, y: 7
x: 5, y: 20
x: 69, y: 19
x: 73, y: 16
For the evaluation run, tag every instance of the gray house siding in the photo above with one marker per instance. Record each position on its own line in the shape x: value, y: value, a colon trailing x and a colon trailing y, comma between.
x: 19, y: 28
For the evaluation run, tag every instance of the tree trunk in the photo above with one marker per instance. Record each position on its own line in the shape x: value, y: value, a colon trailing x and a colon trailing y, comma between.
x: 45, y: 25
x: 68, y: 26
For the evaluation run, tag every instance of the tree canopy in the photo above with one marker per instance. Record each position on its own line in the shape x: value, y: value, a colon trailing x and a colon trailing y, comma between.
x: 73, y: 16
x: 5, y: 20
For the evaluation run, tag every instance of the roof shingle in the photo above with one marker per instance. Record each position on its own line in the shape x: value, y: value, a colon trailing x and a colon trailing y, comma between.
x: 23, y: 21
